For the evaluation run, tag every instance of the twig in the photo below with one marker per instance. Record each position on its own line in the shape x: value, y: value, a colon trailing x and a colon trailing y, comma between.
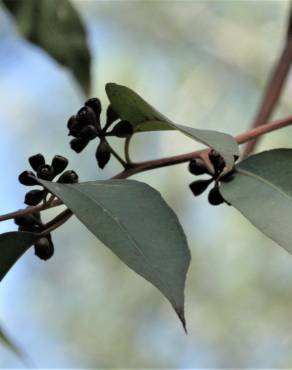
x: 163, y: 162
x: 30, y: 210
x: 170, y: 161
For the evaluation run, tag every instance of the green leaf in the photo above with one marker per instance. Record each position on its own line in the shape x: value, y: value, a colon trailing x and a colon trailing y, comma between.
x: 262, y: 191
x: 131, y: 107
x: 56, y: 27
x: 133, y: 220
x: 12, y: 246
x: 223, y: 143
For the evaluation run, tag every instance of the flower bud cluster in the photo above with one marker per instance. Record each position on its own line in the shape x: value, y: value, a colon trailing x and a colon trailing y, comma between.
x: 47, y: 172
x: 85, y: 126
x: 197, y: 167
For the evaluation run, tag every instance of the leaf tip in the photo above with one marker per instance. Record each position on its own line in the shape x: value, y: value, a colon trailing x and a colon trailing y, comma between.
x: 181, y: 315
x: 109, y: 86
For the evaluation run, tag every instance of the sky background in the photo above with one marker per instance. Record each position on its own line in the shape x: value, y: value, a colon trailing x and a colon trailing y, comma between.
x: 202, y: 64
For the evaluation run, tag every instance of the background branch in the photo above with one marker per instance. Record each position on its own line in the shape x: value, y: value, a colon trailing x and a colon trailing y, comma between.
x: 274, y: 89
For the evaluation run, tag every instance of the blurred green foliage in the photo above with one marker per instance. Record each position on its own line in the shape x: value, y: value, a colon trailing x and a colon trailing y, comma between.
x: 56, y: 27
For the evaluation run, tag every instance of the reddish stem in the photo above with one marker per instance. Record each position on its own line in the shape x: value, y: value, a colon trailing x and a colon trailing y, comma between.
x: 150, y: 165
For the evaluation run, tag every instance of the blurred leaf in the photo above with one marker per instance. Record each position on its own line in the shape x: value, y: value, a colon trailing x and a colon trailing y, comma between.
x: 289, y: 23
x: 262, y: 191
x: 12, y: 246
x: 5, y: 340
x: 133, y: 220
x: 131, y: 107
x: 56, y: 27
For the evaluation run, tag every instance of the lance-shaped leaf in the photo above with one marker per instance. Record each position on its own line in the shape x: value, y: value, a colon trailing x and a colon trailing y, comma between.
x: 143, y: 117
x: 56, y: 27
x: 12, y: 246
x: 133, y: 220
x: 262, y: 191
x: 131, y: 107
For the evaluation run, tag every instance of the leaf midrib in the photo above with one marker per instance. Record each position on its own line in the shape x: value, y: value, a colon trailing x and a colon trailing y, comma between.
x: 151, y: 268
x: 264, y: 181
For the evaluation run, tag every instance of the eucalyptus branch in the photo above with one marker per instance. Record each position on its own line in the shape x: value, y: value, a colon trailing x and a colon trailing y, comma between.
x: 30, y: 210
x: 173, y: 160
x: 135, y: 168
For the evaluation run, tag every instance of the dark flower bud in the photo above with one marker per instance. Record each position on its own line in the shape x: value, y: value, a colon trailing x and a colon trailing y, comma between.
x: 89, y: 132
x: 78, y: 144
x: 46, y: 172
x: 74, y: 126
x: 215, y: 198
x: 32, y: 229
x: 197, y: 167
x: 44, y: 247
x: 59, y: 164
x: 27, y: 220
x: 217, y: 161
x: 86, y: 116
x: 31, y: 222
x: 34, y: 197
x: 36, y: 160
x: 198, y: 187
x: 103, y: 154
x: 122, y: 129
x: 111, y: 116
x: 24, y: 220
x: 27, y: 178
x: 68, y: 177
x: 95, y: 105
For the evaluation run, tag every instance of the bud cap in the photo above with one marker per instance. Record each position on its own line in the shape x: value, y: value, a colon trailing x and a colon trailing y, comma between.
x: 34, y: 197
x: 199, y: 186
x: 36, y: 160
x: 215, y: 198
x: 46, y: 172
x: 27, y: 178
x: 103, y: 154
x: 59, y: 164
x: 68, y: 177
x: 44, y: 247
